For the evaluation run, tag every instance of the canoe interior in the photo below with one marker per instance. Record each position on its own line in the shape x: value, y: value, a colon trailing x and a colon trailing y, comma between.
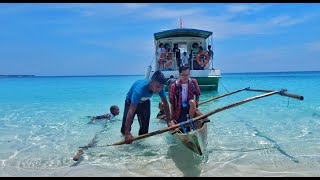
x: 195, y: 140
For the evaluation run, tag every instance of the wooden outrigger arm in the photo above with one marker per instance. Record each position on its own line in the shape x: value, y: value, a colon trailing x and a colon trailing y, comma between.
x: 210, y: 113
x: 282, y: 93
x: 223, y: 95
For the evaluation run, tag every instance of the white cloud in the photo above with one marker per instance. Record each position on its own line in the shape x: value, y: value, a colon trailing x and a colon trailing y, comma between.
x: 134, y: 6
x: 136, y: 45
x: 238, y: 8
x: 286, y: 20
x: 314, y: 46
x: 167, y: 13
x: 223, y: 27
x: 247, y: 8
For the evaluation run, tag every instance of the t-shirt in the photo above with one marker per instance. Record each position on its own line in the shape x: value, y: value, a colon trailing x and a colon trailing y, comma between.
x: 184, y: 94
x: 185, y: 59
x: 139, y: 92
x: 161, y: 50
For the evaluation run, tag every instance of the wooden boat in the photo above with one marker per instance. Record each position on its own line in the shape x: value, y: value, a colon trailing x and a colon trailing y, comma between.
x: 195, y: 140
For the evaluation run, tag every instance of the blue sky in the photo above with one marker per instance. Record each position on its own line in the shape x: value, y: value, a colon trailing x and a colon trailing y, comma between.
x: 113, y: 39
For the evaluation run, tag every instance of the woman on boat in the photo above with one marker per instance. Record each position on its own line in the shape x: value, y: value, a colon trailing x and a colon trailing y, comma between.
x: 184, y: 96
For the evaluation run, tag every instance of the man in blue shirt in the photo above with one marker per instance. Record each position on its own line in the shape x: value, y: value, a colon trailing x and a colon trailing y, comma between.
x: 138, y: 102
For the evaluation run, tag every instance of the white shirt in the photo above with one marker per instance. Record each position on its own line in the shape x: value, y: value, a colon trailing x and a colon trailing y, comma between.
x: 184, y: 94
x: 184, y: 59
x: 161, y: 50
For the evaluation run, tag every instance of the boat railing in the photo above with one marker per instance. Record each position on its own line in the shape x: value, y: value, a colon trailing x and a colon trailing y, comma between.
x: 167, y: 61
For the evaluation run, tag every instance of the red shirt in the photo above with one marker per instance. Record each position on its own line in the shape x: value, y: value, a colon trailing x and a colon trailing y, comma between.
x: 191, y: 95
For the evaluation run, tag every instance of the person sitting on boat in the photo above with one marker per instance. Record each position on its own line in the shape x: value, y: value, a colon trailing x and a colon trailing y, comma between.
x: 185, y: 59
x: 161, y: 114
x: 114, y: 111
x: 184, y: 96
x: 138, y: 102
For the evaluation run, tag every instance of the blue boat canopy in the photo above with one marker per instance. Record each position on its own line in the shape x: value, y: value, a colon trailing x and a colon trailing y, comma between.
x: 182, y: 32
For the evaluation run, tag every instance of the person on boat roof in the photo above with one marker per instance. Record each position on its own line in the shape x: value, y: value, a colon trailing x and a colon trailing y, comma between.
x: 184, y: 96
x: 138, y: 102
x: 114, y: 111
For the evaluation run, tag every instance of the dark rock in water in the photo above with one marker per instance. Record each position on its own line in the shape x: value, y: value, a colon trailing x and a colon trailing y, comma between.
x: 315, y: 115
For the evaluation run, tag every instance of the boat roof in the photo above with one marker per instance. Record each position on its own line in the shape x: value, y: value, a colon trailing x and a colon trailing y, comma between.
x: 182, y: 32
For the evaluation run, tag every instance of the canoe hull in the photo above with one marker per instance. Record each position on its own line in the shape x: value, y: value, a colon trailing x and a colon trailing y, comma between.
x: 195, y: 140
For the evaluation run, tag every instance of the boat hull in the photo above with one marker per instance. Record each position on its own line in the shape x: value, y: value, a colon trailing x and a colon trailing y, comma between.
x: 205, y: 83
x: 208, y: 80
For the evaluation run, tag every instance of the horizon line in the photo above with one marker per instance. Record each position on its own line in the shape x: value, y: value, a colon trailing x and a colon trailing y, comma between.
x: 143, y: 74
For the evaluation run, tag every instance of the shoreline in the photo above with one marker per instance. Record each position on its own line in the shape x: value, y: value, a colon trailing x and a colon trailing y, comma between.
x: 16, y: 76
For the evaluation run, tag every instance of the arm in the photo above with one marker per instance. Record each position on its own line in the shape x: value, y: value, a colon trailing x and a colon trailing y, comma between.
x: 162, y: 116
x: 172, y: 101
x: 197, y: 91
x: 105, y: 116
x: 129, y: 120
x: 166, y: 109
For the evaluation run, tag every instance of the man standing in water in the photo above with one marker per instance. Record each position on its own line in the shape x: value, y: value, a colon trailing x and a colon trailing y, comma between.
x: 138, y: 102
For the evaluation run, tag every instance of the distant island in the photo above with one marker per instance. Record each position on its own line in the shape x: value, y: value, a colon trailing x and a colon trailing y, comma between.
x: 1, y: 76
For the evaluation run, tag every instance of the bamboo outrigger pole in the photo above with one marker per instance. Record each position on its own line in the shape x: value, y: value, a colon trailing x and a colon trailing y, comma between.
x: 223, y: 95
x: 206, y: 115
x: 282, y: 93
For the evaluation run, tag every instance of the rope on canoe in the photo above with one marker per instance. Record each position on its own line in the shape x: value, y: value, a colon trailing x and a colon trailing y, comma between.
x: 192, y: 124
x: 183, y: 126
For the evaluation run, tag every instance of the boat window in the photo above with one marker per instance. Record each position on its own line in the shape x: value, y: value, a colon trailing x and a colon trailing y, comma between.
x: 183, y: 48
x: 167, y: 45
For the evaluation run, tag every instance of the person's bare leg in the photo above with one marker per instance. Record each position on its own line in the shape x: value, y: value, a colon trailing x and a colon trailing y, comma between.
x: 192, y: 112
x: 192, y: 109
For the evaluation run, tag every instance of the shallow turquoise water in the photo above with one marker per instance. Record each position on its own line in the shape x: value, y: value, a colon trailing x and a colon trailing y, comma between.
x: 42, y: 124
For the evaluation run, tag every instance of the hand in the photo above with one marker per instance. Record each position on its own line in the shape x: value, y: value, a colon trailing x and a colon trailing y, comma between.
x: 172, y: 122
x: 128, y: 138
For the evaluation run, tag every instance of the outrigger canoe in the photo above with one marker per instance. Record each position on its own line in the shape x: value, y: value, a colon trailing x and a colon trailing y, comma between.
x: 196, y: 140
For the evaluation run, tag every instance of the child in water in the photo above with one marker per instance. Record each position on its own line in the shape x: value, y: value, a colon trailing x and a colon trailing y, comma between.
x: 114, y: 111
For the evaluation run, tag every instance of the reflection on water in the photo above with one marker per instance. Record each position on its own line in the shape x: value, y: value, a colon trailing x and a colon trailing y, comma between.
x: 185, y: 160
